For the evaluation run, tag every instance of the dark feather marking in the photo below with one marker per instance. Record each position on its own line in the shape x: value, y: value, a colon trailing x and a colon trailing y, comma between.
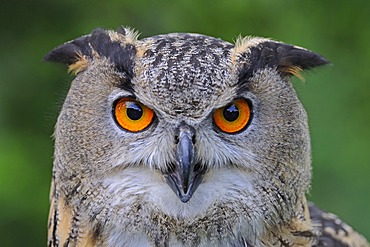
x: 54, y: 241
x: 75, y: 225
x: 98, y: 229
x: 121, y: 55
x: 73, y: 233
x: 73, y: 192
x: 66, y: 243
x: 306, y: 234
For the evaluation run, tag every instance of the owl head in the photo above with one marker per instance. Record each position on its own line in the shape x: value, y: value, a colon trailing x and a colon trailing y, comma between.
x: 183, y: 118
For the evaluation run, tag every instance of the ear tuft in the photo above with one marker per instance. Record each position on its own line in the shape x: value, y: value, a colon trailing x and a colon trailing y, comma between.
x: 70, y: 52
x: 289, y: 60
x: 293, y: 56
x: 119, y: 49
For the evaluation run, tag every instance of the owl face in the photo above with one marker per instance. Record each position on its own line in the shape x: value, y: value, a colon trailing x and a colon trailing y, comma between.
x: 184, y: 120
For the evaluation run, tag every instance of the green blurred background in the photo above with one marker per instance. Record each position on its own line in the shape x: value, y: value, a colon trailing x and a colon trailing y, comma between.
x: 336, y: 97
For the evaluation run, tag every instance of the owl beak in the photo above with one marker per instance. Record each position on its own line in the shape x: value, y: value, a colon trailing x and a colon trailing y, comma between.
x: 185, y: 177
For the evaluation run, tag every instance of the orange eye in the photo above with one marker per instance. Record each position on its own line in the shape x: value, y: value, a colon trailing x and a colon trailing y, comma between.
x: 132, y: 115
x: 233, y: 117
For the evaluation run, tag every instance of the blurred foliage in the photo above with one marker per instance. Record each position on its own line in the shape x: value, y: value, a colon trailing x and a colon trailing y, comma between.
x: 336, y: 97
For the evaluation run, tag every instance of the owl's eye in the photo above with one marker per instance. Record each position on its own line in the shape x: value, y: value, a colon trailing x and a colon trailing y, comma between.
x: 233, y: 117
x: 132, y: 115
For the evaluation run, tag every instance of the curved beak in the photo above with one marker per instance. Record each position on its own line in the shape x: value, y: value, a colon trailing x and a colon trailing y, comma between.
x: 186, y: 176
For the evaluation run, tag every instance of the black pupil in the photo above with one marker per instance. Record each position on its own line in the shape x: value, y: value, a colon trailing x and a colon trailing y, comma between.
x: 134, y: 111
x: 231, y: 113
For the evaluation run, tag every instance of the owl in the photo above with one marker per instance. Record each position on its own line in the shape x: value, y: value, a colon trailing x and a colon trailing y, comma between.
x: 185, y: 140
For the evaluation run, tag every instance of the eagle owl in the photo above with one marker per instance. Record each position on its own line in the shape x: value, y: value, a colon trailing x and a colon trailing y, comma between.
x: 185, y: 140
